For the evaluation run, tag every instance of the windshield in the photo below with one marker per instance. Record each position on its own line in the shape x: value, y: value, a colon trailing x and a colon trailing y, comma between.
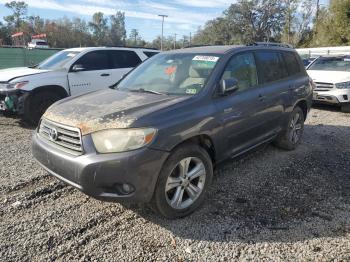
x: 331, y: 64
x: 57, y: 61
x: 176, y: 74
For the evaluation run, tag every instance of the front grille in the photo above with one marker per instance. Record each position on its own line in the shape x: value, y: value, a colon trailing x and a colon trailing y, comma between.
x: 65, y: 138
x: 323, y: 86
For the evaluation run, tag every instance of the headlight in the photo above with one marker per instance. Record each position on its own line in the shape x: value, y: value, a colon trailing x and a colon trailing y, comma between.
x: 343, y: 85
x: 121, y: 140
x: 16, y: 85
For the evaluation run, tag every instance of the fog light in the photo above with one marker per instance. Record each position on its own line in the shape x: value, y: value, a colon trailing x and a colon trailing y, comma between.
x: 127, y: 188
x: 121, y: 189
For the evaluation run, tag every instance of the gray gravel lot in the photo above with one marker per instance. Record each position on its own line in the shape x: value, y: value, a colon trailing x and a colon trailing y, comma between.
x: 268, y: 205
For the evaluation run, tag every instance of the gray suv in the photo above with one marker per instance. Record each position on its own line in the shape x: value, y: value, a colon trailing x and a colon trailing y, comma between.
x: 157, y: 136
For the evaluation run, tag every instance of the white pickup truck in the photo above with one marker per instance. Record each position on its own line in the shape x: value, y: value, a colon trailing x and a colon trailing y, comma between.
x: 29, y: 91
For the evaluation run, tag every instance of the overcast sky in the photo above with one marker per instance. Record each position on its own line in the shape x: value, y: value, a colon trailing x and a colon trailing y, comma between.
x: 184, y: 15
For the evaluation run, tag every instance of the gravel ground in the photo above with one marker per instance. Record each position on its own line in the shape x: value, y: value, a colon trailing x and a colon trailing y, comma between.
x: 268, y: 205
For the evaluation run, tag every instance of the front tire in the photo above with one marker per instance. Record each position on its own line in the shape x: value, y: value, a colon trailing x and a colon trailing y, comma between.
x: 183, y: 182
x: 36, y: 105
x: 291, y: 136
x: 345, y: 108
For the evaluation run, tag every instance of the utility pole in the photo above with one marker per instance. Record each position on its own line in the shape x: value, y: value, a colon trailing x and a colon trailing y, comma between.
x: 190, y: 39
x: 161, y: 41
x: 175, y: 41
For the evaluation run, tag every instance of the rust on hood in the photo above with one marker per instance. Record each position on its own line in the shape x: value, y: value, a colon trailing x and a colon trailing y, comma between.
x: 104, y: 110
x: 88, y: 126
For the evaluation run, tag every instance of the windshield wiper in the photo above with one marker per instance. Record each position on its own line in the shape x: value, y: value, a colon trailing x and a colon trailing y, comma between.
x: 142, y: 90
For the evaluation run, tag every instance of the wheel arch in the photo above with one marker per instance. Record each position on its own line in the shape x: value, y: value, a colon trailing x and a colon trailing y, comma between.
x: 51, y: 88
x: 204, y: 141
x: 303, y: 105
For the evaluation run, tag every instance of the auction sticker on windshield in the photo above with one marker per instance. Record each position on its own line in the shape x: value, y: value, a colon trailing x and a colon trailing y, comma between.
x: 205, y: 62
x: 205, y: 58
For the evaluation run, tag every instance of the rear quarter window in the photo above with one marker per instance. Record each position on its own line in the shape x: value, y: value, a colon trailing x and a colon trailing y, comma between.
x: 124, y: 59
x: 271, y: 66
x: 292, y: 63
x: 150, y: 54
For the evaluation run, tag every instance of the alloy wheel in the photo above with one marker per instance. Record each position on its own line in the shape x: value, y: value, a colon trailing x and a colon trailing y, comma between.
x: 295, y: 129
x: 185, y: 183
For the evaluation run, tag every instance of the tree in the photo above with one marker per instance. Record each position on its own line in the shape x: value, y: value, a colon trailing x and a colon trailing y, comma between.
x: 36, y: 24
x: 291, y: 7
x: 99, y: 28
x: 134, y: 35
x: 117, y: 30
x: 333, y: 25
x: 244, y: 22
x: 5, y: 35
x: 303, y: 25
x: 19, y: 11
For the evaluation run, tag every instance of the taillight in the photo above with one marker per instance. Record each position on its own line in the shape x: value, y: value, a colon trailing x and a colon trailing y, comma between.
x: 312, y: 84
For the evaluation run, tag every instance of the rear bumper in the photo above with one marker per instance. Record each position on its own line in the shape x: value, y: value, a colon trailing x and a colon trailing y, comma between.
x: 336, y: 96
x: 102, y: 175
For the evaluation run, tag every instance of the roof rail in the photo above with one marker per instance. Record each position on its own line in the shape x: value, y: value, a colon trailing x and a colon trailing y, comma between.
x: 271, y: 44
x: 190, y: 46
x: 136, y: 47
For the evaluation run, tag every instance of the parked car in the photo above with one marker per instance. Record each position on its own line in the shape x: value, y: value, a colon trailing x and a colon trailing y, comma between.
x: 157, y: 136
x: 29, y: 91
x: 308, y: 61
x: 331, y: 75
x: 38, y: 43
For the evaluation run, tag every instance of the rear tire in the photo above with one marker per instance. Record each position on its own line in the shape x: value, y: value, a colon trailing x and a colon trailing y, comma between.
x: 192, y: 184
x: 36, y: 105
x: 290, y: 138
x: 345, y: 108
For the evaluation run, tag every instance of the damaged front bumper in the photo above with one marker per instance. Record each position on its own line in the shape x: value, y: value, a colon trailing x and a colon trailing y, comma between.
x: 12, y: 100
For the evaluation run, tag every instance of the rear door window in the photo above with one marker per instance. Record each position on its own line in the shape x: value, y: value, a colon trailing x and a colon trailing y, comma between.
x: 124, y: 59
x: 95, y: 60
x: 292, y: 63
x: 271, y: 66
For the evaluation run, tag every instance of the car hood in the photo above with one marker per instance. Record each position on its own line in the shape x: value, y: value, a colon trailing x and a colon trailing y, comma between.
x: 107, y: 109
x: 9, y: 74
x: 329, y: 76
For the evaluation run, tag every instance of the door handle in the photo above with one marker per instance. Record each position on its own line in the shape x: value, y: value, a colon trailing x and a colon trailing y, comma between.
x: 105, y: 74
x: 228, y: 110
x: 261, y: 97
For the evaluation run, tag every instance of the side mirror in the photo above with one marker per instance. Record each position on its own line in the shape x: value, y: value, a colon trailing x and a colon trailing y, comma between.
x: 228, y: 86
x: 78, y: 68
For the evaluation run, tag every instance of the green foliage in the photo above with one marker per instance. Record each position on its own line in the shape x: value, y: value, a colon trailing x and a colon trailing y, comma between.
x: 252, y: 20
x: 65, y: 32
x: 117, y: 32
x: 244, y: 22
x: 291, y: 7
x: 333, y: 25
x: 19, y: 10
x: 99, y: 28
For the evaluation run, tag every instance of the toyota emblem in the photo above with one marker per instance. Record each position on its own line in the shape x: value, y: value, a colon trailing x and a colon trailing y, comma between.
x: 53, y: 134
